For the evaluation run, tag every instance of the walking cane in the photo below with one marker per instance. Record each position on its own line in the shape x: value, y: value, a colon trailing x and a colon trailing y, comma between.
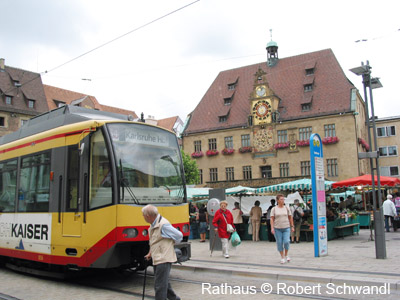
x: 144, y: 280
x: 212, y: 245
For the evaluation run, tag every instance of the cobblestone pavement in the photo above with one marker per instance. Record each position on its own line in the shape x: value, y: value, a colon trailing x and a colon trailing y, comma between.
x: 252, y: 266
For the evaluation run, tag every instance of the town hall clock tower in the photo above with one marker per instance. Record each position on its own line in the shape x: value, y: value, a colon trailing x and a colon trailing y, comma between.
x: 264, y: 113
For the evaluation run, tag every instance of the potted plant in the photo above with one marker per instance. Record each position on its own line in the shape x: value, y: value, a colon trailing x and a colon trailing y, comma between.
x: 228, y: 151
x: 303, y: 143
x: 245, y: 149
x: 212, y: 152
x: 197, y: 154
x: 281, y: 145
x: 330, y: 140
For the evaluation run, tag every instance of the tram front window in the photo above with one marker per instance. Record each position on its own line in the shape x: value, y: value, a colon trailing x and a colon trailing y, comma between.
x: 149, y: 164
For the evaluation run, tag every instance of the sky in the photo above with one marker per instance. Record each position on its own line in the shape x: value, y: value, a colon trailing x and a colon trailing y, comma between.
x: 159, y: 57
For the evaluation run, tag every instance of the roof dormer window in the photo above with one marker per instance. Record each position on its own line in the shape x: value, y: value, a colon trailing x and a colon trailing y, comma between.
x: 59, y: 103
x: 17, y: 83
x: 310, y: 71
x: 232, y: 83
x: 31, y: 103
x: 8, y: 100
x: 227, y: 101
x: 306, y: 107
x: 308, y: 87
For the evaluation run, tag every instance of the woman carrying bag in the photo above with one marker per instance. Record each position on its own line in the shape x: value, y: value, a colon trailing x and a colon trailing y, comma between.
x: 281, y: 226
x: 222, y: 218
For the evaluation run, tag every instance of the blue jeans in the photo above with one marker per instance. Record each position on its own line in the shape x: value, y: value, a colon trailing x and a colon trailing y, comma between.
x: 387, y: 223
x: 203, y: 227
x: 282, y: 236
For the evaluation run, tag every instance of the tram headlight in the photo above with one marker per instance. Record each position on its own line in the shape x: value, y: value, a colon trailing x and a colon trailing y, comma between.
x: 145, y: 232
x: 185, y: 228
x: 129, y: 233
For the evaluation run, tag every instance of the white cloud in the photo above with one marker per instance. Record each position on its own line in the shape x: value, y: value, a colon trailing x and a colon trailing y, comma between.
x: 165, y: 68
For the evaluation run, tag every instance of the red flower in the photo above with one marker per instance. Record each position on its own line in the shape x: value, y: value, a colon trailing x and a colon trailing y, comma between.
x: 197, y: 154
x: 245, y: 149
x: 303, y: 143
x: 364, y: 144
x: 228, y: 151
x: 330, y: 140
x: 281, y: 145
x: 212, y: 152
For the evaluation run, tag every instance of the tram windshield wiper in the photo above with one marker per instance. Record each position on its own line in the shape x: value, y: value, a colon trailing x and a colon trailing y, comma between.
x: 125, y: 184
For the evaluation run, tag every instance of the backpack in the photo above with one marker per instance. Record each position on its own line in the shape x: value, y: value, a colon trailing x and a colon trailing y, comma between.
x: 296, y: 216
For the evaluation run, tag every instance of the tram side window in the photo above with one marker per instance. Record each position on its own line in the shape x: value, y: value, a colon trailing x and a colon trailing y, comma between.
x: 8, y: 185
x: 34, y: 186
x: 73, y: 178
x: 100, y: 173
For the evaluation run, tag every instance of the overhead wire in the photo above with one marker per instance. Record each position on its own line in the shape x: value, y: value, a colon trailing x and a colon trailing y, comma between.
x: 102, y: 45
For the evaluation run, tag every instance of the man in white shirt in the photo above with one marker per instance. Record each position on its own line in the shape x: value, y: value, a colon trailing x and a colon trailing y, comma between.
x: 389, y: 211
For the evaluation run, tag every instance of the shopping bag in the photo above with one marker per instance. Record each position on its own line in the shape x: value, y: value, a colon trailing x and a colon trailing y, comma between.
x: 250, y: 229
x: 229, y: 228
x: 235, y: 239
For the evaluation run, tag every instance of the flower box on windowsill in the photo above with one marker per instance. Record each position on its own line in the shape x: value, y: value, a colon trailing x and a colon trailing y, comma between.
x: 364, y: 144
x: 303, y: 143
x: 245, y: 149
x: 197, y: 154
x: 227, y: 151
x: 212, y: 152
x: 281, y: 145
x: 330, y: 140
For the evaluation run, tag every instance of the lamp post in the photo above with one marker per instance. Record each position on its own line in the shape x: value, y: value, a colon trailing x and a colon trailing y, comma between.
x: 372, y: 83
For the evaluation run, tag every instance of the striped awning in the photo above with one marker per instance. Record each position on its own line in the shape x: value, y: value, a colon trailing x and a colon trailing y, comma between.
x: 301, y: 184
x: 235, y: 191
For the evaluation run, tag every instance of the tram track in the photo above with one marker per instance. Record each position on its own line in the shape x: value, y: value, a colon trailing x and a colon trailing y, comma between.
x: 187, y: 284
x: 132, y: 286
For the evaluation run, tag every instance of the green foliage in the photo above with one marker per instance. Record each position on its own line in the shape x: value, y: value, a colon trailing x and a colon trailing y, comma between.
x: 192, y: 173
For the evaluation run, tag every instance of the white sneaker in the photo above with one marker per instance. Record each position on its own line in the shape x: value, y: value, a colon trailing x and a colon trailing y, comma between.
x: 226, y: 255
x: 282, y: 261
x: 288, y: 259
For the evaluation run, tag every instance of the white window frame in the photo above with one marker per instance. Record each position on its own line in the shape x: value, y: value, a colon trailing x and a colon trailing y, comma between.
x: 387, y: 131
x: 386, y: 152
x: 387, y: 171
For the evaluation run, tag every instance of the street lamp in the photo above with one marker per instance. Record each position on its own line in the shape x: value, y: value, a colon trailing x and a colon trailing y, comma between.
x: 372, y: 83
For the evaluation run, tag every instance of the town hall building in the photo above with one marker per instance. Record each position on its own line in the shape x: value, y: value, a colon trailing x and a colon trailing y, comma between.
x: 253, y: 125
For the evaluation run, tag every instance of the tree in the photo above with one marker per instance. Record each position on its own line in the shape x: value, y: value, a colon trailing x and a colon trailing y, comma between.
x: 192, y: 173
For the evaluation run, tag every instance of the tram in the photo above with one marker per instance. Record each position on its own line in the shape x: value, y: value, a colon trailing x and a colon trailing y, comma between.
x: 73, y: 182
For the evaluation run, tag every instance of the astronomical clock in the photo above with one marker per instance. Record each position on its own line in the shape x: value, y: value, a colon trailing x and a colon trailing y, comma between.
x: 264, y: 139
x: 263, y: 106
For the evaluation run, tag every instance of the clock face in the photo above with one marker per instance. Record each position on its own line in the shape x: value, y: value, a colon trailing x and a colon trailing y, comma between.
x: 260, y: 91
x: 261, y: 110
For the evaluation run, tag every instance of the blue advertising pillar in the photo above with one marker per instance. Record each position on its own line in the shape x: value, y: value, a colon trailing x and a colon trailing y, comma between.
x: 318, y: 196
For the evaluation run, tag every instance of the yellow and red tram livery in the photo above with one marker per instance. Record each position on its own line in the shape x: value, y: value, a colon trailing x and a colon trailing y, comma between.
x: 72, y: 185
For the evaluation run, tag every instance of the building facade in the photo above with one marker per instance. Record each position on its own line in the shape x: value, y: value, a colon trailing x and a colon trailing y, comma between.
x: 253, y: 125
x: 21, y: 97
x: 387, y: 133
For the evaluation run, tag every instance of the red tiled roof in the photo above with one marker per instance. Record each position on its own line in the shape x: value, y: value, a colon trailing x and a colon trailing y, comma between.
x: 119, y: 110
x: 67, y: 97
x: 167, y: 123
x: 330, y: 94
x: 30, y: 86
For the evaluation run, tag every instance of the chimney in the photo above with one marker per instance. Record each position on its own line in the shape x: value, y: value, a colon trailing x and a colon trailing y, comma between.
x: 2, y: 60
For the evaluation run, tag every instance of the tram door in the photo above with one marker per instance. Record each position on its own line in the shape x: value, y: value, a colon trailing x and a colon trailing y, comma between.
x: 73, y: 216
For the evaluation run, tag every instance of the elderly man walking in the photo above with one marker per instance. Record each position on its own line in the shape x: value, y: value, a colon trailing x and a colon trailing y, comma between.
x: 389, y: 211
x: 162, y: 238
